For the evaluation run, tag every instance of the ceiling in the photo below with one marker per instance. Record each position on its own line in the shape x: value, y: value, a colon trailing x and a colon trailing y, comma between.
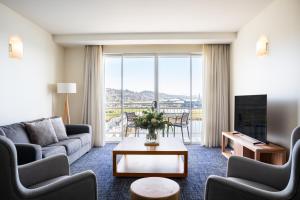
x: 138, y: 16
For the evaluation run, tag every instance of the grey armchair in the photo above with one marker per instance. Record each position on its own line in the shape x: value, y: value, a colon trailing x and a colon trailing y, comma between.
x: 252, y: 180
x: 44, y: 179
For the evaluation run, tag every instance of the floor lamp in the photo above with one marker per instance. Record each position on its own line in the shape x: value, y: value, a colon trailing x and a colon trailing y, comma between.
x: 66, y: 88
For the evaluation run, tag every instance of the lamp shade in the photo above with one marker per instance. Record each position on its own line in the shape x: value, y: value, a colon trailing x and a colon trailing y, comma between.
x: 66, y: 88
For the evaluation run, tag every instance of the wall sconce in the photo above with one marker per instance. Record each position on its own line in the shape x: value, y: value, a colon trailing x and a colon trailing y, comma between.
x: 262, y: 46
x: 15, y: 47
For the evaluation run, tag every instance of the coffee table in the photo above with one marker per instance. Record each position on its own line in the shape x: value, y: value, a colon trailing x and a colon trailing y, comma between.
x: 131, y: 158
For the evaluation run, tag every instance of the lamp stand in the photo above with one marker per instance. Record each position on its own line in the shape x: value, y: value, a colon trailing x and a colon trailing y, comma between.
x: 66, y: 116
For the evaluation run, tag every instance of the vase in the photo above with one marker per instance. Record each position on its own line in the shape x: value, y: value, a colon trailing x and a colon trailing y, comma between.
x: 152, y: 138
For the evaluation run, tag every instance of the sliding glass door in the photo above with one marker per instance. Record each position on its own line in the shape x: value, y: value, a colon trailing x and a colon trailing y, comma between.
x: 180, y: 94
x: 113, y: 91
x: 138, y: 88
x: 133, y: 82
x: 174, y: 91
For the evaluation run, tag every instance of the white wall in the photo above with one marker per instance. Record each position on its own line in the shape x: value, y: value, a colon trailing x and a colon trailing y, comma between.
x: 26, y: 92
x: 276, y: 75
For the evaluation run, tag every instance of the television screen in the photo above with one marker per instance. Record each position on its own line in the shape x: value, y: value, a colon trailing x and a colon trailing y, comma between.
x: 250, y: 116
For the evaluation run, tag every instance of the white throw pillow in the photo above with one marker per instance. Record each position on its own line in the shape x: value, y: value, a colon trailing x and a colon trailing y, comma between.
x: 59, y: 127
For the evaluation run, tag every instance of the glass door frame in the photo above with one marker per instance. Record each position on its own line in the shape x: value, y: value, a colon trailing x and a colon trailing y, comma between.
x: 156, y: 81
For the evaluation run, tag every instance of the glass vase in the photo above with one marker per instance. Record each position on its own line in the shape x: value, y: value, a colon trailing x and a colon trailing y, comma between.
x: 152, y: 138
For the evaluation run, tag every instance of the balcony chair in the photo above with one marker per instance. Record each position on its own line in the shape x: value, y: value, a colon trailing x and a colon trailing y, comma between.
x: 252, y: 180
x: 130, y: 123
x: 182, y: 122
x: 45, y: 179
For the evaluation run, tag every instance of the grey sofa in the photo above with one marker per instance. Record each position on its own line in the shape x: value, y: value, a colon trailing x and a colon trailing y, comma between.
x: 253, y: 180
x: 45, y: 179
x: 78, y: 143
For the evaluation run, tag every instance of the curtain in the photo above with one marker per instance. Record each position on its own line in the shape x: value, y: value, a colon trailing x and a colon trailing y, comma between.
x: 216, y: 61
x: 93, y: 97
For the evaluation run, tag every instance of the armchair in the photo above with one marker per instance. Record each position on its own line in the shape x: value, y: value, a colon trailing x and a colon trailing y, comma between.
x: 43, y: 179
x: 27, y: 153
x: 251, y: 180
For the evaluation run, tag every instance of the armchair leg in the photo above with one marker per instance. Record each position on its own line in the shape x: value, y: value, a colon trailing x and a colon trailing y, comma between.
x: 188, y: 131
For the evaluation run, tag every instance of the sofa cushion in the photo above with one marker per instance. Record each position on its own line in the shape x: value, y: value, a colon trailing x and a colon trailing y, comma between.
x: 53, y: 150
x: 16, y: 132
x: 84, y: 137
x: 59, y: 127
x: 41, y: 132
x: 71, y: 145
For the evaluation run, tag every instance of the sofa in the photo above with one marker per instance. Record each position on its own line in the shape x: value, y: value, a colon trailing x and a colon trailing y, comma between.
x: 77, y: 143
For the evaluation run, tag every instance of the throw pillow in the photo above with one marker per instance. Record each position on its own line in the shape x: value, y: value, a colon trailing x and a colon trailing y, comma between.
x: 59, y: 127
x: 41, y: 132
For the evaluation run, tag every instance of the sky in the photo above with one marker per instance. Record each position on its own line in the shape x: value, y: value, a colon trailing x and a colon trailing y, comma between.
x: 139, y: 75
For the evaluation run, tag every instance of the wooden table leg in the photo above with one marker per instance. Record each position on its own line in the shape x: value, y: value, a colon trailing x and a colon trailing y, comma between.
x: 257, y: 155
x: 223, y: 143
x: 114, y: 164
x: 283, y: 158
x: 186, y: 164
x: 279, y: 158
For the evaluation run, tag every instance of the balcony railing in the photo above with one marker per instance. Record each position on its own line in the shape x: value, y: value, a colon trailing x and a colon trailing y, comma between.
x: 115, y: 120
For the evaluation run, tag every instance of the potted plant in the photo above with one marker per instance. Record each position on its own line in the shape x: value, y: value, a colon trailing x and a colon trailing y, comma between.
x: 151, y: 120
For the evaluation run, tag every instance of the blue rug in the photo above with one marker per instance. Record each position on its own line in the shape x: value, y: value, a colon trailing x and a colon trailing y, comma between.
x: 202, y: 163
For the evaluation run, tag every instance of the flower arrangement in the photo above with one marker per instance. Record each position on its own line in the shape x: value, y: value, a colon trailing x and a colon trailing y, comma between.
x: 151, y: 120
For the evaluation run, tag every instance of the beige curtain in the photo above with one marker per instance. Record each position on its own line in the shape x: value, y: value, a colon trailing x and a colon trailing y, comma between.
x: 93, y: 103
x: 215, y: 93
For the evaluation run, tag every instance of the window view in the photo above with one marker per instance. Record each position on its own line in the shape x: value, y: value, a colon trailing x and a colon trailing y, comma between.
x: 174, y: 92
x: 113, y: 112
x: 138, y: 89
x: 132, y: 84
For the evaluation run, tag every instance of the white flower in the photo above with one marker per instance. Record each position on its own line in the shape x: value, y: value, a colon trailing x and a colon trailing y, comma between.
x: 153, y: 121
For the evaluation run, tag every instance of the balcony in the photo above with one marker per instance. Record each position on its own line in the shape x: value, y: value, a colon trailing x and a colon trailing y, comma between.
x: 116, y: 121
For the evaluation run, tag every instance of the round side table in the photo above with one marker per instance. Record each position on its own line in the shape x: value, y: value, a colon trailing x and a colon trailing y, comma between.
x: 154, y: 188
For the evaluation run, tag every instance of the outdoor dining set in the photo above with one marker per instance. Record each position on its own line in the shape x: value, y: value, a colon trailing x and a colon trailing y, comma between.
x: 175, y: 120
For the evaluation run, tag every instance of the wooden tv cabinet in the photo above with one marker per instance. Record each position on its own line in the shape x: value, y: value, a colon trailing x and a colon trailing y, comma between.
x: 243, y: 146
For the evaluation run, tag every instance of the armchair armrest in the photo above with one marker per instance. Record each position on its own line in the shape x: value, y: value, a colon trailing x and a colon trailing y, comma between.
x: 222, y: 188
x: 78, y: 128
x: 44, y: 169
x: 28, y: 153
x: 245, y: 168
x: 76, y: 187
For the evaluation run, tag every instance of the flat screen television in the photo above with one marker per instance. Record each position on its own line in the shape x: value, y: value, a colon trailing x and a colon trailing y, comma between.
x: 250, y: 116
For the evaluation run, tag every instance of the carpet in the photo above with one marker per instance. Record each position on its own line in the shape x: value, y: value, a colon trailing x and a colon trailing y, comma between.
x: 202, y: 163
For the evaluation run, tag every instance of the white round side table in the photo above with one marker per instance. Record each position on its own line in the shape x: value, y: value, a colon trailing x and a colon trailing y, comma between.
x: 154, y: 188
